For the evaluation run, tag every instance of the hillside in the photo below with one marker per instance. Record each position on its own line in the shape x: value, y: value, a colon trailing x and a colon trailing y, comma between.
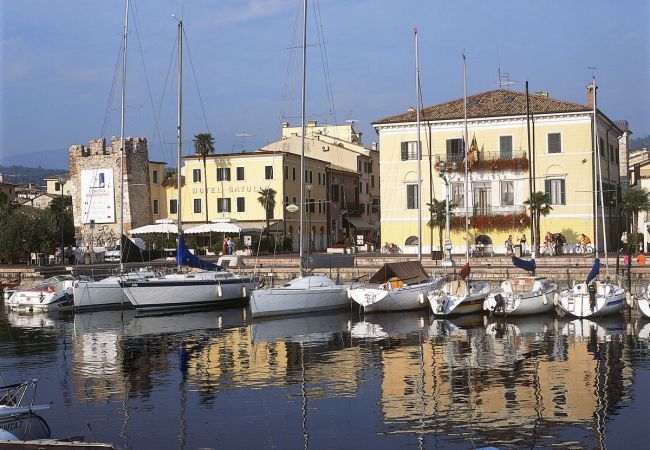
x: 25, y: 175
x: 640, y: 142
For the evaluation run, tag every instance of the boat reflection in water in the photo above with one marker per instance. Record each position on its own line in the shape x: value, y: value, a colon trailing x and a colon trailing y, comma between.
x: 336, y: 380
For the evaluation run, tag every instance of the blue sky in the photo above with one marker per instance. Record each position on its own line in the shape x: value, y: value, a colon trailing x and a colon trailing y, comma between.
x: 58, y: 59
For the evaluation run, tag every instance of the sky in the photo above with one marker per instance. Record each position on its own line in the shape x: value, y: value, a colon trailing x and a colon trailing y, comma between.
x: 58, y: 62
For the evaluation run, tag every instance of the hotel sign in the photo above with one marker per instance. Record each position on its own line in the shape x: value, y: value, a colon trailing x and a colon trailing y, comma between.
x: 97, y: 196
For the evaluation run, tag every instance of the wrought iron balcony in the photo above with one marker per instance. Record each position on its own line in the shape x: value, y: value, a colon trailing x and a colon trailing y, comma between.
x: 483, y: 161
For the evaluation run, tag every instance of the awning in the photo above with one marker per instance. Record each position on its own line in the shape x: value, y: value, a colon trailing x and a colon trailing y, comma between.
x: 276, y: 226
x: 160, y: 228
x: 216, y: 227
x: 409, y: 272
x: 359, y: 224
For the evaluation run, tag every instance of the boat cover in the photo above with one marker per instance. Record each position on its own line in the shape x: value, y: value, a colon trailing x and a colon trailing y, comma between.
x: 185, y: 258
x: 528, y: 266
x: 409, y: 272
x: 594, y: 270
x: 133, y: 253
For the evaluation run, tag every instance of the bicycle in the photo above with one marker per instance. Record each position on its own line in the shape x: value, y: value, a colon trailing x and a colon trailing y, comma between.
x: 580, y: 248
x: 391, y: 249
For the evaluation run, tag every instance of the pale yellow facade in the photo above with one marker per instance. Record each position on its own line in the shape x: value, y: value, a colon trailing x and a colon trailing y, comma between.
x: 497, y: 189
x: 58, y: 185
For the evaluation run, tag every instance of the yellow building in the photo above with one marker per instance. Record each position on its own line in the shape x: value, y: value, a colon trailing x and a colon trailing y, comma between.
x: 563, y: 168
x: 58, y: 184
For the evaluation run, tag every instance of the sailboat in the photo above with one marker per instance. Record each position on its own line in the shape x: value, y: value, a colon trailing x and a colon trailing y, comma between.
x: 107, y: 293
x: 308, y: 292
x: 643, y: 302
x: 460, y: 296
x: 212, y: 286
x: 523, y: 294
x: 593, y: 298
x: 402, y: 285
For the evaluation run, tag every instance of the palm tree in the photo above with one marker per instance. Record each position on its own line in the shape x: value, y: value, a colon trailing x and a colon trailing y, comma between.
x: 204, y: 146
x: 633, y: 201
x: 267, y: 200
x: 538, y: 204
x: 438, y: 210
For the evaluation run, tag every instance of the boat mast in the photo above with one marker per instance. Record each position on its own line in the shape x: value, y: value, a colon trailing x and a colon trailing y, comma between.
x: 466, y: 159
x: 122, y: 143
x: 302, y: 139
x: 418, y: 143
x: 600, y: 176
x: 530, y: 178
x: 179, y: 124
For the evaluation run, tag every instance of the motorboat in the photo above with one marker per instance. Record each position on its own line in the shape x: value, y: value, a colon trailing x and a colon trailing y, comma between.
x: 459, y: 296
x: 592, y: 298
x: 19, y: 420
x: 523, y: 294
x: 53, y: 294
x: 396, y: 286
x: 309, y: 293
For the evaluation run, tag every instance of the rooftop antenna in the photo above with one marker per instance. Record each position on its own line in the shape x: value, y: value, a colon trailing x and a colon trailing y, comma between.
x: 504, y: 78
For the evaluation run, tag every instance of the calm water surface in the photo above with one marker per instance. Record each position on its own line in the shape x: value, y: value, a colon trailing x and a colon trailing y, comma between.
x: 329, y: 381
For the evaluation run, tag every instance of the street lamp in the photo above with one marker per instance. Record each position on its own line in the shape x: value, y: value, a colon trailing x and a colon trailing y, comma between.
x: 445, y: 175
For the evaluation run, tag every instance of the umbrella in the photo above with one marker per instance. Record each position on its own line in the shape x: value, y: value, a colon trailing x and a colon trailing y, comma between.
x: 215, y: 227
x: 169, y: 228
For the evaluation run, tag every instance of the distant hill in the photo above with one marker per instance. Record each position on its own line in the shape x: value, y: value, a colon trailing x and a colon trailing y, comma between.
x: 25, y: 175
x: 640, y: 142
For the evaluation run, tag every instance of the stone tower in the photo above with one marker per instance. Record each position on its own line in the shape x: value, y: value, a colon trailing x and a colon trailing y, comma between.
x: 96, y: 189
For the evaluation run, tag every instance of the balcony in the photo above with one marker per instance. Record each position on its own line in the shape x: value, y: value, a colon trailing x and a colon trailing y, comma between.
x: 484, y: 161
x: 488, y: 217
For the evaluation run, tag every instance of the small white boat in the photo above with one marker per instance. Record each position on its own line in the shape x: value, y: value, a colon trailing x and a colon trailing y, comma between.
x: 308, y: 293
x: 459, y: 296
x: 522, y: 295
x: 605, y: 298
x: 643, y: 302
x: 53, y: 294
x: 106, y: 293
x: 397, y: 286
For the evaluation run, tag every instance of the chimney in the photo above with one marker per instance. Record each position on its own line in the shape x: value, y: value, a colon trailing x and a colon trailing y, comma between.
x: 591, y: 95
x: 374, y: 145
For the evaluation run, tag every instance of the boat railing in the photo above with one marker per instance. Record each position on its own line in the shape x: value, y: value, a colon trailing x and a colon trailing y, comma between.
x: 13, y: 395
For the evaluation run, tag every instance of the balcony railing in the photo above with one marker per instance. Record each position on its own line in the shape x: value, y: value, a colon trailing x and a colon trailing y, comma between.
x: 486, y: 210
x: 483, y: 161
x: 492, y: 218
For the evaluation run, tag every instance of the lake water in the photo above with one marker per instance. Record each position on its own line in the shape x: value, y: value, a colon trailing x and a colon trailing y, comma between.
x: 334, y: 381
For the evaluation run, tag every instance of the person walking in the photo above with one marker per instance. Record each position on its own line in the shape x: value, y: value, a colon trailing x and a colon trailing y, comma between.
x: 522, y: 243
x: 509, y: 246
x: 231, y: 246
x: 224, y: 247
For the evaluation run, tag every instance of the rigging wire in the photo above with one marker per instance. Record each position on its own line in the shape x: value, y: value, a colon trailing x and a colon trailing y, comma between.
x: 107, y: 113
x: 324, y: 59
x: 196, y: 82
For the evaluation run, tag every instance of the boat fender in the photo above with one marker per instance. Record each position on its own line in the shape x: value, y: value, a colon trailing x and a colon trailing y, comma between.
x: 421, y: 298
x: 628, y: 299
x: 219, y: 291
x: 544, y: 299
x: 556, y: 299
x: 244, y: 292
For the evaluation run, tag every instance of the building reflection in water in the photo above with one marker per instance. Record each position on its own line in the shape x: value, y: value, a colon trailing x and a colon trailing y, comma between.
x: 518, y: 382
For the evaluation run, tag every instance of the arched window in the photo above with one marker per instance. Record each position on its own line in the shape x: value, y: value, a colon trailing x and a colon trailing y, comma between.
x: 411, y: 240
x: 483, y: 239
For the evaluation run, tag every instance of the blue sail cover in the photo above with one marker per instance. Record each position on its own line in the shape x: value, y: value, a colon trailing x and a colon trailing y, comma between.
x: 185, y: 258
x: 528, y: 266
x: 594, y: 270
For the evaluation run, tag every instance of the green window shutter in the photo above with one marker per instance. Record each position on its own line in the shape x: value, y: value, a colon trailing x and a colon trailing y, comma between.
x: 562, y: 193
x: 405, y: 151
x: 547, y: 190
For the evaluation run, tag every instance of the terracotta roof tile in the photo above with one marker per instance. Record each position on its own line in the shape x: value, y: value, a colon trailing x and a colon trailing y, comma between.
x: 496, y: 103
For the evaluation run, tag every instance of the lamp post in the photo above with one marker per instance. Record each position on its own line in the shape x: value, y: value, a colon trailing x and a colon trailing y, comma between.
x: 444, y: 174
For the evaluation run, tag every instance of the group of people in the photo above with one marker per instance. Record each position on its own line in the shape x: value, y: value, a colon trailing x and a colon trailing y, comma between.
x: 228, y: 247
x: 510, y: 246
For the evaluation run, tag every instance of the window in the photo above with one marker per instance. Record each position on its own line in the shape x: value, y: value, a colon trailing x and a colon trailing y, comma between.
x: 370, y: 166
x: 505, y: 147
x: 293, y: 174
x: 554, y: 144
x: 555, y: 191
x: 196, y: 175
x: 412, y: 196
x: 507, y: 193
x: 240, y: 174
x: 409, y: 151
x: 294, y: 199
x: 286, y: 172
x: 155, y: 207
x: 457, y: 194
x: 319, y: 178
x: 173, y: 206
x: 223, y: 205
x: 154, y: 177
x: 367, y: 188
x: 268, y: 172
x: 241, y: 204
x: 359, y: 164
x: 223, y: 173
x: 454, y: 149
x: 311, y: 177
x: 197, y: 205
x: 57, y: 186
x: 335, y: 192
x: 372, y: 181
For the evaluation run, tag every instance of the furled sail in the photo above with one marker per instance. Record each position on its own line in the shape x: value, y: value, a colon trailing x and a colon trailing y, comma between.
x: 185, y: 258
x: 595, y: 269
x: 528, y: 266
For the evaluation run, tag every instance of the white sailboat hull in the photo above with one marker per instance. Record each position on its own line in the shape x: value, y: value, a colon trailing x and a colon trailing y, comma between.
x: 447, y: 301
x: 301, y: 295
x: 643, y: 305
x: 609, y: 299
x: 187, y: 291
x: 522, y: 296
x: 407, y: 297
x: 106, y: 293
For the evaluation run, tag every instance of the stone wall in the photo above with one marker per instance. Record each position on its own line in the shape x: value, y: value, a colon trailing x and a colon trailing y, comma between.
x: 137, y: 208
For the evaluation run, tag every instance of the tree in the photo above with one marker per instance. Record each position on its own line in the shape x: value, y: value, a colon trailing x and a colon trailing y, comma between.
x: 438, y: 210
x: 24, y: 230
x: 61, y: 211
x: 539, y: 206
x: 204, y: 146
x: 633, y: 201
x: 267, y: 200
